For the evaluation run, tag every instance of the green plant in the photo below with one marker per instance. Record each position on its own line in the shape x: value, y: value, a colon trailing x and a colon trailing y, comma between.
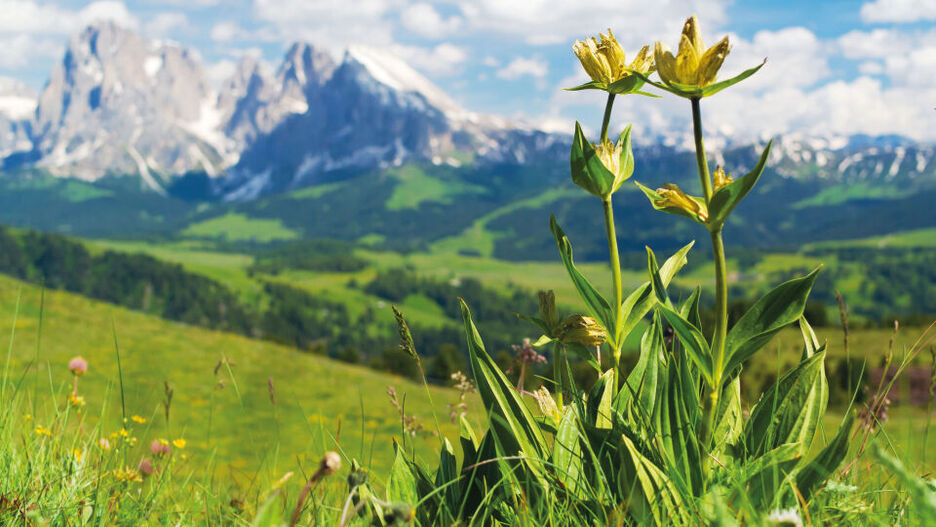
x: 666, y: 442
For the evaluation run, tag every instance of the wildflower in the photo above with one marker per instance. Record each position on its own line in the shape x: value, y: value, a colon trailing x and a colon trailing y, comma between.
x: 179, y: 443
x: 146, y: 468
x: 78, y: 455
x: 123, y: 432
x: 127, y: 475
x: 582, y: 330
x: 78, y: 366
x: 604, y: 60
x: 525, y: 354
x: 672, y: 196
x: 693, y: 65
x: 785, y: 517
x: 76, y: 401
x: 329, y: 464
x: 104, y: 443
x: 138, y: 419
x: 722, y: 179
x: 43, y: 431
x: 160, y: 447
x: 27, y: 417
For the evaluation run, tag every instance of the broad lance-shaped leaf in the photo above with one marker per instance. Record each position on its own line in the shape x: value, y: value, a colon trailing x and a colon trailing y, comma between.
x: 790, y: 411
x: 599, y: 401
x: 401, y: 486
x: 727, y: 198
x: 693, y: 342
x: 817, y: 471
x: 649, y: 493
x: 764, y: 476
x: 673, y: 428
x: 597, y: 305
x: 447, y: 481
x: 777, y: 309
x: 567, y: 453
x: 695, y: 91
x: 637, y: 304
x: 641, y: 383
x: 515, y: 428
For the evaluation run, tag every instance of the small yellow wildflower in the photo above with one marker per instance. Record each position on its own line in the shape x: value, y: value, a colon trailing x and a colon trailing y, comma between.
x: 78, y: 455
x: 124, y: 432
x: 77, y: 401
x: 127, y: 475
x: 28, y: 417
x: 138, y: 419
x: 179, y: 443
x: 43, y: 431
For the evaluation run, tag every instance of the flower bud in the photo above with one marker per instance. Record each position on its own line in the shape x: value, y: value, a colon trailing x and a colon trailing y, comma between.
x: 331, y: 463
x: 582, y: 330
x: 547, y: 308
x: 721, y: 178
x: 601, y: 169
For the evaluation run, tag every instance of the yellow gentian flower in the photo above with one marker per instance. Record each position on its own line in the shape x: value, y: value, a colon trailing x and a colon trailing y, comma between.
x: 693, y: 65
x: 672, y: 196
x: 604, y: 60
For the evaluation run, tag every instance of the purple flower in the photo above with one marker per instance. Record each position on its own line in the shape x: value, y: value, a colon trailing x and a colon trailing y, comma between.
x: 78, y: 365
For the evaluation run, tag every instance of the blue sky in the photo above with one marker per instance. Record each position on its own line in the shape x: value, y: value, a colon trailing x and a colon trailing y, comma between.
x: 835, y: 67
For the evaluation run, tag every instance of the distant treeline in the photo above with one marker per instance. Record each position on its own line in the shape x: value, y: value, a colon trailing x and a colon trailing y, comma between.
x: 291, y: 316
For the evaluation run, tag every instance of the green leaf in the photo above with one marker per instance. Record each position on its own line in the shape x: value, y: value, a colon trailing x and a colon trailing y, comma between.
x: 817, y: 471
x: 653, y: 196
x: 637, y: 304
x: 788, y: 412
x: 690, y: 308
x: 447, y: 480
x: 674, y: 429
x: 629, y: 84
x: 648, y: 491
x: 591, y: 85
x: 712, y: 89
x: 515, y: 429
x: 567, y: 453
x: 588, y: 171
x: 599, y: 401
x: 727, y: 198
x: 656, y: 281
x: 693, y: 342
x: 598, y: 307
x: 468, y: 440
x: 767, y: 474
x: 777, y: 309
x: 401, y: 486
x: 729, y: 422
x: 641, y: 383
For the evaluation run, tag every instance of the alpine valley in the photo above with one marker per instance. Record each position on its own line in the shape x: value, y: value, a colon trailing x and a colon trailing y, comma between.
x: 128, y: 138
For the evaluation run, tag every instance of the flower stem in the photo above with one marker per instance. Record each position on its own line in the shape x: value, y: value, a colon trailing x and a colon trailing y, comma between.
x: 616, y: 282
x: 700, y: 151
x: 607, y: 118
x: 710, y: 402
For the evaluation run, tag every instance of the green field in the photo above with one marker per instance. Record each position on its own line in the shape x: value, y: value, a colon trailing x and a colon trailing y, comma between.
x: 320, y: 403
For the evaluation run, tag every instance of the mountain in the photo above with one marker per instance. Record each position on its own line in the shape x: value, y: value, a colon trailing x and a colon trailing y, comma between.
x: 17, y: 106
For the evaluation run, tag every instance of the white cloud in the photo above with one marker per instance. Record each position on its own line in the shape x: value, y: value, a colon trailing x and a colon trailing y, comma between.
x: 490, y: 62
x: 333, y: 24
x: 226, y: 31
x: 164, y: 24
x: 108, y: 10
x: 871, y: 67
x: 557, y: 21
x: 423, y: 19
x: 898, y: 10
x: 524, y: 67
x: 443, y: 59
x: 187, y: 3
x: 19, y: 51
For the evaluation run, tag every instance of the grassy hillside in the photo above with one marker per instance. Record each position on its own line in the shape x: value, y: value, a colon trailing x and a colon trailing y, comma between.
x: 223, y: 414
